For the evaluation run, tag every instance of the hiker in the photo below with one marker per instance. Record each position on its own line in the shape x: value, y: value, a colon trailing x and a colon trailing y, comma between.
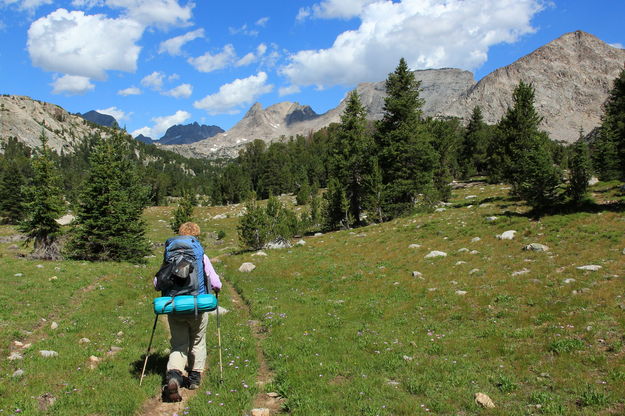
x: 188, y: 332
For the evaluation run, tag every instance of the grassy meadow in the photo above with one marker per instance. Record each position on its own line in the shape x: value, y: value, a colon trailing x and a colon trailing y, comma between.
x: 348, y: 327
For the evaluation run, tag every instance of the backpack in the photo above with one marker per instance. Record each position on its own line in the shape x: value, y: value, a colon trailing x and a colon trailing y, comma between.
x: 182, y: 271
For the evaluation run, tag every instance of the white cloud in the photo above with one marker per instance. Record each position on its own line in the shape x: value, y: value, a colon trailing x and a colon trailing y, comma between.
x: 84, y: 45
x: 129, y: 91
x: 262, y: 21
x: 181, y: 91
x: 174, y: 45
x: 329, y: 9
x: 291, y: 89
x: 252, y: 56
x: 71, y: 85
x: 244, y: 30
x: 153, y: 81
x: 87, y: 4
x: 161, y: 13
x: 428, y: 33
x: 119, y: 115
x: 161, y: 124
x: 29, y: 5
x: 232, y: 96
x: 617, y: 45
x: 208, y: 62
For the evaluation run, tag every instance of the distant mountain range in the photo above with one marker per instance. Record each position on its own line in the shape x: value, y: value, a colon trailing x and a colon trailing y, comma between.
x: 99, y: 118
x: 572, y: 76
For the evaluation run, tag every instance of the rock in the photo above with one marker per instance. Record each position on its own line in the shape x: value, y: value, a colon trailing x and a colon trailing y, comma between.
x: 569, y: 280
x: 317, y: 234
x: 278, y: 244
x: 432, y: 289
x: 13, y: 247
x: 491, y: 219
x: 120, y: 334
x: 474, y: 252
x: 460, y: 262
x: 407, y: 358
x: 261, y: 412
x: 273, y: 395
x: 84, y: 341
x: 54, y: 325
x: 220, y: 217
x: 65, y: 219
x: 461, y: 292
x: 484, y: 401
x: 222, y: 311
x: 440, y: 210
x: 15, y: 356
x: 247, y: 267
x: 300, y: 243
x: 473, y: 271
x: 470, y: 197
x: 18, y: 274
x: 39, y: 266
x: 18, y: 344
x: 113, y: 350
x: 418, y: 246
x: 18, y: 373
x: 93, y: 362
x: 417, y: 274
x: 623, y: 252
x: 520, y: 272
x: 475, y: 239
x: 435, y: 253
x: 53, y: 278
x: 590, y: 267
x: 259, y: 254
x: 506, y: 235
x: 48, y: 353
x: 463, y: 250
x: 536, y: 247
x: 593, y: 181
x: 45, y: 401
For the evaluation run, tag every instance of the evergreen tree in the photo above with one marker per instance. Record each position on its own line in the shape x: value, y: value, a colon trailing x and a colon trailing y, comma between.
x: 336, y: 208
x: 524, y: 153
x: 108, y: 223
x: 610, y: 150
x: 581, y: 170
x: 45, y: 204
x: 253, y: 228
x: 406, y: 156
x: 303, y: 194
x: 375, y: 193
x: 12, y: 197
x: 351, y: 151
x: 472, y: 157
x: 184, y: 212
x: 447, y: 139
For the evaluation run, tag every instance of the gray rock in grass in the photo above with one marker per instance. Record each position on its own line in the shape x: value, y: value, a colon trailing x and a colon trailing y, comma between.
x: 569, y: 280
x: 18, y: 373
x: 15, y: 356
x: 48, y: 353
x: 435, y: 253
x: 414, y: 246
x: 520, y: 272
x: 475, y: 239
x: 484, y: 401
x: 590, y: 268
x: 222, y: 311
x: 247, y: 267
x: 417, y: 274
x: 491, y: 218
x: 506, y: 235
x: 536, y: 247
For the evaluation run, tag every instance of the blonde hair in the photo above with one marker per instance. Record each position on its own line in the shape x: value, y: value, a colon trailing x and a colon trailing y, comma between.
x: 189, y: 228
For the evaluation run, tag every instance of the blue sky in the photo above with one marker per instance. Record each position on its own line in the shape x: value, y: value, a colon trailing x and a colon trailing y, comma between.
x: 155, y: 63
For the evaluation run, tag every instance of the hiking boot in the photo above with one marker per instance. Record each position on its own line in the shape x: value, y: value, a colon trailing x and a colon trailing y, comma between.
x: 195, y: 377
x: 173, y: 381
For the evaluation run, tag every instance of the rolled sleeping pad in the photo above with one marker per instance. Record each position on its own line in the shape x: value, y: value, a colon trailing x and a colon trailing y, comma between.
x: 184, y: 304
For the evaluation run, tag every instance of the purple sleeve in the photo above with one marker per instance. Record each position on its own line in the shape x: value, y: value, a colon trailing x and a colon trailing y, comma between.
x: 213, y: 277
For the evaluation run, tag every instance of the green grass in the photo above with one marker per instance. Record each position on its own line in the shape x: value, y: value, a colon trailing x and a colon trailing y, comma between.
x: 347, y: 329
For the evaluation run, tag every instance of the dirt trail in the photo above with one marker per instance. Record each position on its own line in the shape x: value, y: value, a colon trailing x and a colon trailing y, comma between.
x: 263, y: 400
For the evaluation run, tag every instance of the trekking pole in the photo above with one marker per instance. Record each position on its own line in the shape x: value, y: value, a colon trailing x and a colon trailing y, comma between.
x: 221, y: 367
x: 147, y: 354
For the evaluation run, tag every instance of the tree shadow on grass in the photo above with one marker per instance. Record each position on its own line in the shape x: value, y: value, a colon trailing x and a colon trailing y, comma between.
x: 588, y: 206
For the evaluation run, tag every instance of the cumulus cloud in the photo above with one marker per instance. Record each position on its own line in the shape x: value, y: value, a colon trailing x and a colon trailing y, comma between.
x: 174, y: 45
x: 428, y: 33
x: 231, y: 97
x: 209, y: 63
x: 87, y: 4
x: 616, y: 45
x: 115, y: 112
x: 161, y: 124
x: 160, y: 13
x: 252, y: 56
x: 181, y: 91
x: 71, y: 85
x: 84, y: 45
x: 329, y: 9
x: 129, y: 91
x: 153, y: 81
x: 243, y: 30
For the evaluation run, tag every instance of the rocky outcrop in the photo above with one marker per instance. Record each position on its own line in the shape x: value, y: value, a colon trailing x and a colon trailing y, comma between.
x: 100, y: 119
x: 25, y: 119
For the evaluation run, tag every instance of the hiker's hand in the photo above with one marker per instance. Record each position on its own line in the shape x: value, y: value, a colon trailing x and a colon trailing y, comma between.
x: 216, y: 290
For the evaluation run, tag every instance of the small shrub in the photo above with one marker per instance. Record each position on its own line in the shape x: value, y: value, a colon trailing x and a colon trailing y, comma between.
x: 221, y: 234
x: 504, y: 383
x: 592, y: 397
x: 566, y: 345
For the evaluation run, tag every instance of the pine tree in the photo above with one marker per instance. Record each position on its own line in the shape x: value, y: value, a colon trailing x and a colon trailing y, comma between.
x: 472, y: 157
x: 182, y: 214
x: 351, y: 161
x: 581, y: 171
x: 12, y: 198
x: 406, y: 156
x: 610, y: 159
x: 336, y: 208
x: 253, y: 229
x: 108, y: 223
x: 45, y: 205
x: 524, y: 152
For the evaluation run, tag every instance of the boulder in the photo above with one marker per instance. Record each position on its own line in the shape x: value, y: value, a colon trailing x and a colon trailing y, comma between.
x: 300, y: 243
x: 440, y: 210
x: 259, y: 254
x: 484, y: 401
x: 220, y: 217
x: 222, y: 311
x: 475, y: 239
x: 463, y: 250
x: 520, y: 272
x: 247, y: 267
x: 536, y: 247
x: 54, y: 325
x: 419, y: 245
x: 261, y: 412
x: 461, y: 292
x: 84, y: 341
x: 435, y: 253
x: 506, y: 235
x: 473, y: 271
x: 18, y: 373
x: 569, y: 280
x: 590, y: 268
x: 491, y: 219
x: 417, y: 274
x: 65, y: 219
x: 48, y: 353
x: 15, y: 356
x: 278, y: 244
